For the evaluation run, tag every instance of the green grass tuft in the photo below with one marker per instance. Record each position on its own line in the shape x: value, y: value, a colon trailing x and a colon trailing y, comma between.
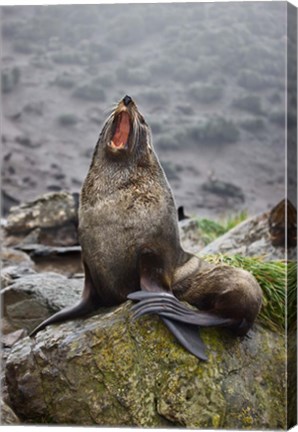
x: 210, y: 229
x: 292, y: 294
x: 234, y: 220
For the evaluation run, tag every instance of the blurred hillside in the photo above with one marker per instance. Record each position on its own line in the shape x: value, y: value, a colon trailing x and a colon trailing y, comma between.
x: 209, y: 79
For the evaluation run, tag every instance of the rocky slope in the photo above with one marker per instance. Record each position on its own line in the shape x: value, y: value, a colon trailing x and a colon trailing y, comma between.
x: 110, y: 370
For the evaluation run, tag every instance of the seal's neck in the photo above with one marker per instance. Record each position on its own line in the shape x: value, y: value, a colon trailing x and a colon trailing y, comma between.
x: 107, y: 175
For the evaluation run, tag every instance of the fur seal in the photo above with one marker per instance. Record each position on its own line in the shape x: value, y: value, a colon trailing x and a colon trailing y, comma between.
x: 128, y: 231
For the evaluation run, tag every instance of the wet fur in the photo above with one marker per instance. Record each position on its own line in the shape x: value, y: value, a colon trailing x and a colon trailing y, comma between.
x: 126, y: 209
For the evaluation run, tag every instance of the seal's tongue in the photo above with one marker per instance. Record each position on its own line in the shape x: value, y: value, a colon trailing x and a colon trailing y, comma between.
x: 121, y: 134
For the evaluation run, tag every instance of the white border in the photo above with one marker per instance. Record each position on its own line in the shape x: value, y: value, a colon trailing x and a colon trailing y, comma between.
x: 70, y: 2
x: 37, y: 428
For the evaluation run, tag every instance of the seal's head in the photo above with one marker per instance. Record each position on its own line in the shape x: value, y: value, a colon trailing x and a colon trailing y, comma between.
x: 123, y: 152
x: 125, y: 132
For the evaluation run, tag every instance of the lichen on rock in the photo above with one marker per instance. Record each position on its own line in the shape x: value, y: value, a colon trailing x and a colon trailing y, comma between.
x: 111, y: 371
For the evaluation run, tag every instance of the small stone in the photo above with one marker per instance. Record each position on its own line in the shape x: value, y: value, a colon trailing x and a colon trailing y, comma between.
x: 8, y: 340
x: 190, y: 236
x: 11, y: 273
x: 8, y: 417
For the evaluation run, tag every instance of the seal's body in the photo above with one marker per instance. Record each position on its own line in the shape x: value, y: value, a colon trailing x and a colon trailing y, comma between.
x: 127, y: 214
x: 129, y: 235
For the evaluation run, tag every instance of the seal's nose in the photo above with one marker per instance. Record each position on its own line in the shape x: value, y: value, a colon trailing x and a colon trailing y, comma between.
x: 127, y: 100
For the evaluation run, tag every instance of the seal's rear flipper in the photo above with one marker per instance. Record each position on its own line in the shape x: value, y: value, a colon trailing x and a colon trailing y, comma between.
x: 168, y: 306
x: 181, y: 320
x: 86, y: 305
x: 188, y: 336
x: 156, y: 297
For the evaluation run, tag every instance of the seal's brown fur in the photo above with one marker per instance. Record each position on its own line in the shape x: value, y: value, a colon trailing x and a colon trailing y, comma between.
x: 129, y: 233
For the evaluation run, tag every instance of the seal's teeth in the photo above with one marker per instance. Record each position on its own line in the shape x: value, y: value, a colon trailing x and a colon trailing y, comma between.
x: 120, y: 145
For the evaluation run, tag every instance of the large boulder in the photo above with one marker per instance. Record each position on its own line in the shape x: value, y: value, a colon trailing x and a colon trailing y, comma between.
x: 111, y: 371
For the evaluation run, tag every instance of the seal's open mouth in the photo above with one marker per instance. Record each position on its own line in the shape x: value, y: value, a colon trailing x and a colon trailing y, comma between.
x: 121, y: 132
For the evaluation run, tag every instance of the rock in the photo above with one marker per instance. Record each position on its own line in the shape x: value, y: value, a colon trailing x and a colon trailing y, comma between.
x: 15, y: 265
x: 63, y: 260
x: 6, y: 327
x: 33, y: 298
x: 7, y: 201
x: 108, y: 370
x: 11, y: 273
x: 37, y: 250
x: 8, y: 340
x: 11, y: 256
x: 190, y: 235
x: 7, y: 415
x: 278, y: 225
x: 51, y: 219
x: 5, y: 352
x: 249, y: 238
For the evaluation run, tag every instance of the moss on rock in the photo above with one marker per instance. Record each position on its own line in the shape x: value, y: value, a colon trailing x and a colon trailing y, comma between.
x: 109, y: 370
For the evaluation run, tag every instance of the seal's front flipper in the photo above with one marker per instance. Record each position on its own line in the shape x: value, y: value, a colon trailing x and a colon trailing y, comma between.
x: 81, y: 309
x: 86, y: 305
x: 188, y: 336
